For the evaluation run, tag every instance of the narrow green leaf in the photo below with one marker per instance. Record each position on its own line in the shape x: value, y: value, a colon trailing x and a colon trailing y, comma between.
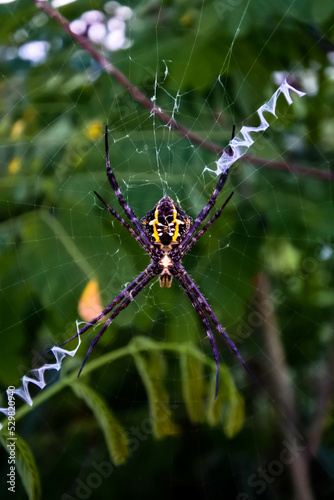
x: 226, y: 386
x: 151, y: 367
x: 233, y: 415
x: 115, y: 435
x: 228, y: 407
x: 25, y: 465
x: 193, y: 386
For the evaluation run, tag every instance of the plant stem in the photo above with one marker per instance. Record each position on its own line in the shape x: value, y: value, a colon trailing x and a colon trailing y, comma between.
x: 139, y: 344
x: 282, y: 388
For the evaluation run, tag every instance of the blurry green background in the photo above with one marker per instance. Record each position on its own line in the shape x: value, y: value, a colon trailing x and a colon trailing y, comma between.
x: 209, y: 64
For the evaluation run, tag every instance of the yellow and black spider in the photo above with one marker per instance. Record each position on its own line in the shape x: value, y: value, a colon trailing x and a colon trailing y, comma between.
x: 166, y: 233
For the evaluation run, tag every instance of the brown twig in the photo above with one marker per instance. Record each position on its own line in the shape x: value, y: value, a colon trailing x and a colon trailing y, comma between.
x: 289, y: 167
x: 124, y: 82
x: 282, y: 387
x: 161, y: 114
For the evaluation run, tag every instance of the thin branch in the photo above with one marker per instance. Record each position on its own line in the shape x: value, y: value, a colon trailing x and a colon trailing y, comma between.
x: 124, y: 82
x: 160, y: 113
x: 298, y: 170
x: 282, y: 388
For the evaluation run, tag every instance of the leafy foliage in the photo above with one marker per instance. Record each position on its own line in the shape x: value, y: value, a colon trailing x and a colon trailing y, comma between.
x: 151, y: 367
x: 115, y: 436
x: 26, y: 466
x: 209, y: 64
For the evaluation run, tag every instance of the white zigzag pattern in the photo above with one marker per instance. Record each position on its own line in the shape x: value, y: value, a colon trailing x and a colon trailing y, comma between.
x: 38, y: 374
x: 242, y: 141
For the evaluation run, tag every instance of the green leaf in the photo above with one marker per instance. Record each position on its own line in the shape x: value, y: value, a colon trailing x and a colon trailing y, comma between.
x: 115, y: 435
x: 214, y: 409
x: 193, y: 386
x: 228, y: 407
x: 151, y: 367
x: 26, y: 466
x: 233, y: 415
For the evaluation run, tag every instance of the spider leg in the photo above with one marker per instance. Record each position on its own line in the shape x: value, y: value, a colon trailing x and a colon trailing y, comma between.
x: 124, y: 294
x: 188, y: 285
x: 127, y: 209
x: 122, y: 221
x: 204, y: 212
x: 206, y: 227
x: 127, y: 300
x: 200, y: 311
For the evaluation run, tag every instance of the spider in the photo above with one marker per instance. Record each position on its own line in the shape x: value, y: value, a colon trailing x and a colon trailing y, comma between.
x: 166, y: 233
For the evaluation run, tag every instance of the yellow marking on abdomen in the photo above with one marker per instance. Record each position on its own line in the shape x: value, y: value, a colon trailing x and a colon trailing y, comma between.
x: 154, y: 224
x: 175, y: 221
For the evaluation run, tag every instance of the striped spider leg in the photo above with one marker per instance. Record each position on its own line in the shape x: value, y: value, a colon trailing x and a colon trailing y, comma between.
x: 128, y: 294
x: 129, y: 291
x: 138, y: 286
x: 206, y: 227
x: 204, y: 212
x: 204, y: 310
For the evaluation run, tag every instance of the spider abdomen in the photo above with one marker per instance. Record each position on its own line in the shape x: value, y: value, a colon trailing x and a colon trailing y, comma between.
x: 166, y: 224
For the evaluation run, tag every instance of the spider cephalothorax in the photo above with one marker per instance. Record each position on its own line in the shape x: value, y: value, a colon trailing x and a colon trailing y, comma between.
x: 166, y: 234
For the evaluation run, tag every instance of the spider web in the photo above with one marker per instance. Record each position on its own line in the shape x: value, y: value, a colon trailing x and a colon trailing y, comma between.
x: 57, y: 237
